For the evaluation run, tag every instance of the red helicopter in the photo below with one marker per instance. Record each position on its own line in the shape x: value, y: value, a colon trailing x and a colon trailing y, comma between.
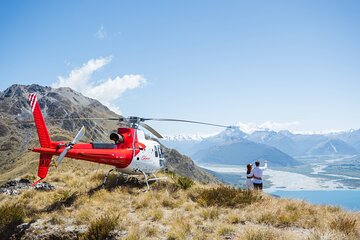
x: 131, y: 153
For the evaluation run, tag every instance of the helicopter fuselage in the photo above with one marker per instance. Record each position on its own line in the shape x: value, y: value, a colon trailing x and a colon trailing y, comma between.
x: 132, y: 156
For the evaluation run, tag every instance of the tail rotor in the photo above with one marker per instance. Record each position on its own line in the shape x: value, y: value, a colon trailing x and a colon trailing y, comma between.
x: 70, y: 145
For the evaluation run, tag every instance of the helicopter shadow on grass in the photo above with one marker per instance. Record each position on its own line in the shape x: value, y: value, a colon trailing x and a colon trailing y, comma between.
x: 115, y: 181
x: 66, y: 199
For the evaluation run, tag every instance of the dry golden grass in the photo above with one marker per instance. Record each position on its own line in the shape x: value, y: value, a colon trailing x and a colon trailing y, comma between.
x: 264, y: 233
x: 211, y: 213
x: 171, y: 212
x: 180, y: 228
x: 102, y: 227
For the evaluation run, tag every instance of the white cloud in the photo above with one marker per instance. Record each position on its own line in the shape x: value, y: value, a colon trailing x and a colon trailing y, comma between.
x: 117, y: 85
x: 79, y: 78
x: 101, y: 33
x: 105, y: 91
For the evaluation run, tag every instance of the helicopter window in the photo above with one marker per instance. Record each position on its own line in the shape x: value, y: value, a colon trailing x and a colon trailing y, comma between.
x: 156, y: 151
x: 161, y: 162
x: 161, y: 153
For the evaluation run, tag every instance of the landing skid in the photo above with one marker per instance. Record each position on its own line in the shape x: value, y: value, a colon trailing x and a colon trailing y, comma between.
x: 147, y: 180
x: 130, y: 177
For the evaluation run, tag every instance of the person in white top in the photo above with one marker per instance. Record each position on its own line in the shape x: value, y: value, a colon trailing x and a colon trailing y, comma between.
x: 249, y: 177
x: 258, y: 175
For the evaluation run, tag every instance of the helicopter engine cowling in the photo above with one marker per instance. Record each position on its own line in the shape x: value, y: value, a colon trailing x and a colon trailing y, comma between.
x: 117, y: 138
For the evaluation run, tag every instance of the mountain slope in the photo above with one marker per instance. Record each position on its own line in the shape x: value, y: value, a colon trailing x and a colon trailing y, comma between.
x: 351, y: 137
x: 281, y: 140
x: 242, y: 153
x: 333, y: 147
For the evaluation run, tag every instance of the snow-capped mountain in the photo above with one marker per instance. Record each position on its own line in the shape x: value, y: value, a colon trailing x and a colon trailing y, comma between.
x: 229, y: 147
x: 242, y: 152
x: 333, y: 147
x: 192, y: 143
x: 182, y: 143
x: 284, y: 145
x: 351, y: 137
x: 304, y: 144
x: 283, y: 140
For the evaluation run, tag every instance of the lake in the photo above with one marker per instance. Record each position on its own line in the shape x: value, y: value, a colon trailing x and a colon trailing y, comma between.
x: 347, y: 199
x: 314, y: 189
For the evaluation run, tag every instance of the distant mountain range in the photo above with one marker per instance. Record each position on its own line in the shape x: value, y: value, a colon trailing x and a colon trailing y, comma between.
x: 233, y: 146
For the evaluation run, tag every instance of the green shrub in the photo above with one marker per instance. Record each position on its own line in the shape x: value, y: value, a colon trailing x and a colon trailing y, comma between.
x: 226, y: 196
x: 161, y: 185
x: 101, y: 228
x: 182, y: 182
x: 178, y: 182
x: 10, y: 217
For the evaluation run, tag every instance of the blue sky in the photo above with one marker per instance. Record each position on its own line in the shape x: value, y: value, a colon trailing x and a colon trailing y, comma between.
x: 279, y: 64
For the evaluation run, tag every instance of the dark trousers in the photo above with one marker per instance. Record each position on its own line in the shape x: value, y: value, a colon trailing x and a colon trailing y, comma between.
x: 258, y: 186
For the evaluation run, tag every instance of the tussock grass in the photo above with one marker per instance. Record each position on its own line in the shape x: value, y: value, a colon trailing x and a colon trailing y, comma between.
x: 253, y: 233
x: 151, y: 231
x: 155, y: 214
x: 225, y: 196
x: 101, y: 228
x: 172, y: 212
x: 210, y: 213
x: 282, y: 213
x: 169, y: 203
x: 234, y: 219
x: 177, y: 182
x: 180, y: 228
x: 345, y: 224
x: 134, y: 233
x: 225, y: 230
x: 10, y: 217
x: 63, y: 198
x: 56, y: 219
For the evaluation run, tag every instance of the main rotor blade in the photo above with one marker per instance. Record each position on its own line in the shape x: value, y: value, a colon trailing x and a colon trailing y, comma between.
x: 79, y: 135
x: 80, y: 118
x: 150, y: 129
x: 62, y: 155
x: 186, y: 121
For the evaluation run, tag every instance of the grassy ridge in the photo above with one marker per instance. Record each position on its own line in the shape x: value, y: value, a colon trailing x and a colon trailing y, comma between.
x: 177, y: 208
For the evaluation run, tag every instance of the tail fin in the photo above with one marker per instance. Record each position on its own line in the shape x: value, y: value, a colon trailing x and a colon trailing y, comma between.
x: 44, y: 164
x: 43, y: 133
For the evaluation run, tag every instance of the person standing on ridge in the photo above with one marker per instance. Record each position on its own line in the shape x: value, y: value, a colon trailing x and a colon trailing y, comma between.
x: 258, y: 175
x: 249, y: 177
